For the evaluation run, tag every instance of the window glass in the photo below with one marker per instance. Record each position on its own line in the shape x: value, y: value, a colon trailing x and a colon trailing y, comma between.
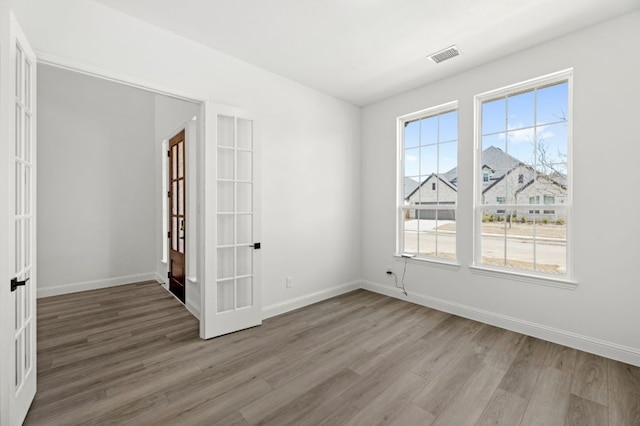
x: 427, y: 211
x: 524, y: 140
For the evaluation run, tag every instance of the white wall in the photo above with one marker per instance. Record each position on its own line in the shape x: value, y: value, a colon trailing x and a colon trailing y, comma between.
x: 96, y: 181
x: 310, y: 141
x: 602, y: 313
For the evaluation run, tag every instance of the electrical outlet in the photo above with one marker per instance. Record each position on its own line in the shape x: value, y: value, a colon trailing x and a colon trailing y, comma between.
x: 289, y: 282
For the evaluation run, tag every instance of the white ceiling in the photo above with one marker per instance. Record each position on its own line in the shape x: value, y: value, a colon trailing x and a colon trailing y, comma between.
x: 365, y: 50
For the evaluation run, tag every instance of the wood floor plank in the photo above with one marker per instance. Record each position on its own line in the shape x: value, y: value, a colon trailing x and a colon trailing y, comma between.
x: 590, y: 378
x: 437, y: 395
x: 296, y: 411
x: 339, y: 415
x: 523, y: 373
x: 583, y: 412
x: 305, y: 364
x: 370, y: 361
x: 383, y: 409
x: 550, y: 400
x: 561, y: 357
x: 469, y: 404
x: 331, y: 410
x: 503, y: 409
x: 505, y: 350
x: 439, y: 353
x: 279, y: 397
x: 132, y: 355
x: 203, y: 409
x: 411, y: 414
x: 624, y: 393
x: 368, y: 387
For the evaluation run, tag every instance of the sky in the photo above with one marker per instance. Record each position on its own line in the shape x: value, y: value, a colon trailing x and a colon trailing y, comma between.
x: 516, y: 125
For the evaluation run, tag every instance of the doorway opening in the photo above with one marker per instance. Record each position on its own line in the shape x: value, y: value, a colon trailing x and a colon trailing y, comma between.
x: 108, y: 136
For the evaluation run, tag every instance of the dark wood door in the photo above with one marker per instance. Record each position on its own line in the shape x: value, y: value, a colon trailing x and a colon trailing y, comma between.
x: 177, y: 216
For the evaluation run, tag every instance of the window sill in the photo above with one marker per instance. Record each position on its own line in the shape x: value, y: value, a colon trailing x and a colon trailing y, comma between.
x: 452, y: 266
x: 524, y: 277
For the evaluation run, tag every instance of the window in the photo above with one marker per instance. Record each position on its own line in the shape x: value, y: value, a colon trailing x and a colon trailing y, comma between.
x: 485, y: 177
x: 523, y: 135
x: 428, y: 146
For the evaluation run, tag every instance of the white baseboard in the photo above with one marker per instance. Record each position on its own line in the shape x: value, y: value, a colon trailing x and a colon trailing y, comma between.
x: 195, y: 310
x: 161, y: 279
x: 573, y: 340
x: 308, y: 299
x: 94, y: 285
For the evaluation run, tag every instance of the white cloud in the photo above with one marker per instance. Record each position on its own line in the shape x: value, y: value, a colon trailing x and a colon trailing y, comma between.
x: 527, y: 135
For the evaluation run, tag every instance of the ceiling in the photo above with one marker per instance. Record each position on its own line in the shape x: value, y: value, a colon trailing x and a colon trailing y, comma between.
x: 362, y: 51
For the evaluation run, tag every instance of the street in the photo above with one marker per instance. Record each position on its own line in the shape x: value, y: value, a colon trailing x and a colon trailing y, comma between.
x: 550, y: 255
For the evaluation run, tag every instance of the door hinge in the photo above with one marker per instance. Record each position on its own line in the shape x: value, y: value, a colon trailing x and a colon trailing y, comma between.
x: 15, y: 283
x: 168, y: 154
x: 256, y: 246
x: 169, y: 274
x: 168, y: 194
x: 169, y: 234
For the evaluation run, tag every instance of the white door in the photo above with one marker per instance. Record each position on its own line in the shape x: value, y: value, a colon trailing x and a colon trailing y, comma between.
x: 231, y: 299
x: 19, y: 385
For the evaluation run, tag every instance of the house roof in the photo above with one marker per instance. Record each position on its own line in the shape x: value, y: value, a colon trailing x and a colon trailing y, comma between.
x: 497, y: 159
x: 501, y: 165
x: 440, y: 177
x: 410, y: 186
x: 541, y: 177
x: 493, y: 158
x: 519, y: 166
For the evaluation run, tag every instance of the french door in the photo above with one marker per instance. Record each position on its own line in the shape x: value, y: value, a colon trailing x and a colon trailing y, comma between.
x: 232, y: 290
x: 177, y: 215
x: 19, y: 385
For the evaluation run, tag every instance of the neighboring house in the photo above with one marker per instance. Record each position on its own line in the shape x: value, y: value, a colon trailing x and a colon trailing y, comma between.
x: 505, y: 180
x: 434, y: 190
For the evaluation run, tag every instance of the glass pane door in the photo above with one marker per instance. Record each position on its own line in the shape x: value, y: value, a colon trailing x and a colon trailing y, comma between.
x: 235, y: 192
x: 23, y: 224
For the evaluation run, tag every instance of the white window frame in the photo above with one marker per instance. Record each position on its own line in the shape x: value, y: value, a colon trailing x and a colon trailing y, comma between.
x: 555, y: 280
x: 400, y: 207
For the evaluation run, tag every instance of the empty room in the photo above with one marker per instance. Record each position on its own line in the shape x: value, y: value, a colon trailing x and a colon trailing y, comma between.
x: 240, y: 212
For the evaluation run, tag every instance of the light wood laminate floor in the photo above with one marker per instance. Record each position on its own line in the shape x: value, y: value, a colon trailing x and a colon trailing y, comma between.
x: 131, y: 355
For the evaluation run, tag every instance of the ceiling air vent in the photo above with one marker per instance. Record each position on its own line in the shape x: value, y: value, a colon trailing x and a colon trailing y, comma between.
x: 445, y: 54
